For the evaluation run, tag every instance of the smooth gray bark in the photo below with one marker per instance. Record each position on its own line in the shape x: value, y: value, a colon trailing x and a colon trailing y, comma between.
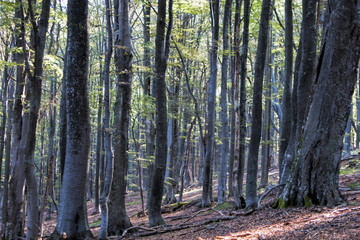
x: 15, y: 221
x: 211, y: 103
x: 242, y: 105
x: 252, y: 166
x: 304, y: 81
x: 162, y: 44
x: 118, y: 219
x: 285, y: 128
x: 223, y: 102
x: 109, y: 158
x: 235, y: 77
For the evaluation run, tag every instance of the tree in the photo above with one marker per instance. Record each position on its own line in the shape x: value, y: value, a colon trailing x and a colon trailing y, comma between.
x: 285, y: 129
x: 252, y: 167
x: 214, y: 14
x: 118, y: 219
x: 14, y: 226
x: 235, y: 76
x: 162, y: 45
x: 104, y: 198
x: 223, y: 103
x: 72, y: 216
x: 315, y: 176
x: 304, y: 82
x: 242, y: 109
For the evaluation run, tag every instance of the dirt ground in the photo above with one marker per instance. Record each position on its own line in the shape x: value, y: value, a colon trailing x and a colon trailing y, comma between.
x: 221, y: 222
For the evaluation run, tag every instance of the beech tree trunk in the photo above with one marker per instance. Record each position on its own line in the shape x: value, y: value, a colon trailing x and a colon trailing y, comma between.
x: 242, y: 106
x: 118, y: 219
x: 252, y: 166
x: 223, y: 102
x: 14, y: 226
x: 5, y: 204
x: 285, y: 128
x: 211, y: 103
x: 315, y: 176
x: 304, y: 83
x: 109, y: 158
x: 72, y: 216
x: 235, y: 77
x: 162, y: 44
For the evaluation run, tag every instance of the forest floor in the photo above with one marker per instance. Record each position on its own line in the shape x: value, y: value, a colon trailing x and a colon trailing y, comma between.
x: 187, y: 221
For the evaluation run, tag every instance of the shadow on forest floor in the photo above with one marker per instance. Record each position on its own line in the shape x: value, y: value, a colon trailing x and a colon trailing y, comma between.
x: 191, y: 222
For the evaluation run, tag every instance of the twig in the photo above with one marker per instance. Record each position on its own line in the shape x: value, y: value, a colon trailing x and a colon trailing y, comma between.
x: 136, y: 228
x: 197, y: 213
x: 215, y: 210
x: 243, y: 213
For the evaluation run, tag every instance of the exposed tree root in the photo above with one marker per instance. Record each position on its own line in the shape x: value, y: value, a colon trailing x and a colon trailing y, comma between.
x: 267, y: 192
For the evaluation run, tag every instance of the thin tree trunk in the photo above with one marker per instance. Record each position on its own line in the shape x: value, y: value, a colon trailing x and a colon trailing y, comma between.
x: 235, y: 76
x: 223, y: 103
x: 15, y: 224
x: 98, y: 147
x: 31, y: 116
x: 285, y: 128
x: 206, y: 192
x: 5, y: 196
x: 162, y: 45
x: 252, y: 167
x: 118, y: 219
x: 109, y: 161
x: 266, y: 137
x: 242, y: 106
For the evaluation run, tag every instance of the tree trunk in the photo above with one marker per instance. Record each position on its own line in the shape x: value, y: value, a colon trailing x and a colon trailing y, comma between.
x: 252, y: 167
x: 15, y: 221
x: 5, y: 84
x: 285, y: 128
x: 305, y: 78
x: 118, y: 219
x: 315, y: 179
x: 161, y: 55
x: 242, y: 106
x: 223, y: 103
x: 211, y: 103
x: 72, y: 216
x: 5, y: 195
x: 174, y: 149
x: 266, y: 137
x: 235, y: 76
x: 109, y: 159
x: 347, y: 137
x: 99, y: 142
x: 30, y: 117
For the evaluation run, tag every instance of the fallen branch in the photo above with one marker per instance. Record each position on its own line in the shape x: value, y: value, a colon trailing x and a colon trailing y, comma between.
x: 197, y: 213
x: 135, y: 228
x: 243, y: 213
x: 185, y: 226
